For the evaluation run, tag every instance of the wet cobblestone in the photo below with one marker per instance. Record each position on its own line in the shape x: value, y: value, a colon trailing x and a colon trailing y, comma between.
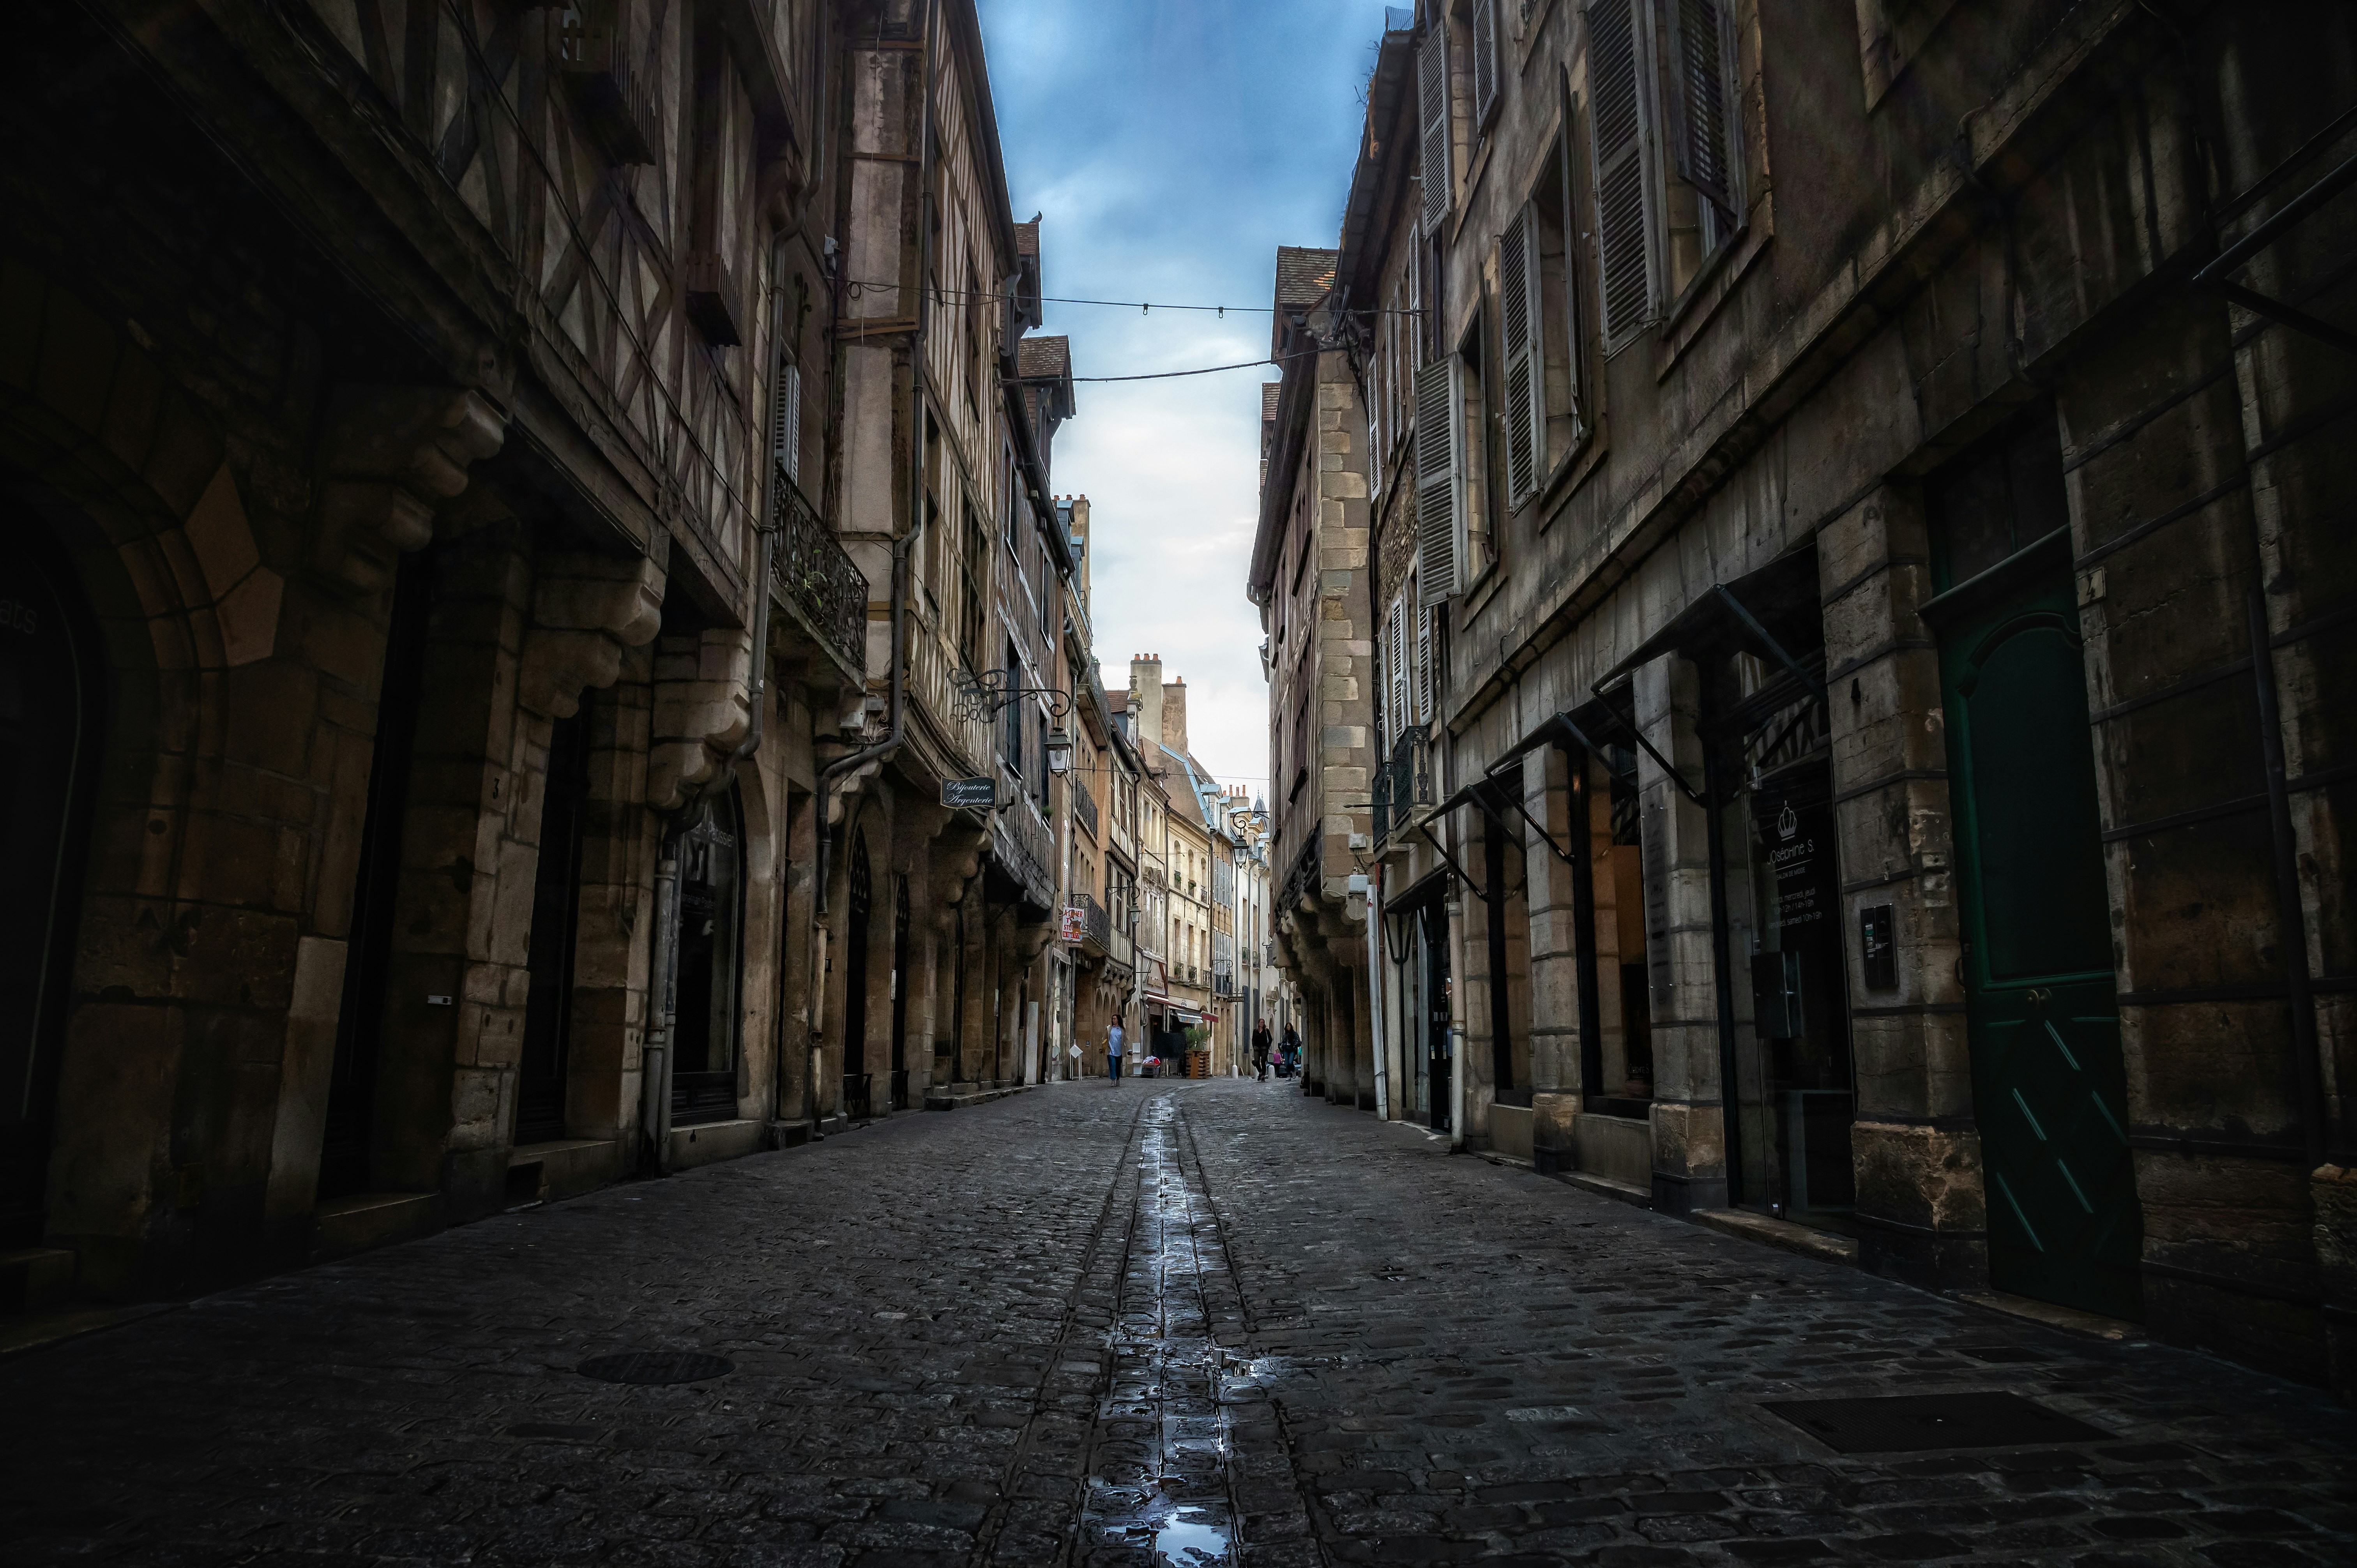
x: 1074, y: 1323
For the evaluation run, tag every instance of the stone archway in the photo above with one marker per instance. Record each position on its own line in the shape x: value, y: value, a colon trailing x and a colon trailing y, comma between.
x: 241, y: 658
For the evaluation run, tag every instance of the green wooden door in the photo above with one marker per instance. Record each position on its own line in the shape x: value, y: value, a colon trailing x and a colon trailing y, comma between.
x: 2048, y: 1090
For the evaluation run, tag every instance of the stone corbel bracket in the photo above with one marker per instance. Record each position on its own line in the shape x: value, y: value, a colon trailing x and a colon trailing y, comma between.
x: 959, y: 848
x: 701, y: 711
x: 586, y: 611
x: 392, y: 454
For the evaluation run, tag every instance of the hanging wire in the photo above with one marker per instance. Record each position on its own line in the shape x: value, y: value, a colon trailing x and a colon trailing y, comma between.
x: 1206, y: 371
x: 1142, y: 306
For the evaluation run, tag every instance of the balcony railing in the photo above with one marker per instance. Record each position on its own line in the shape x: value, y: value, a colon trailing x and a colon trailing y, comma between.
x: 1403, y: 783
x: 1099, y: 925
x: 817, y: 579
x: 1223, y: 980
x: 1084, y: 807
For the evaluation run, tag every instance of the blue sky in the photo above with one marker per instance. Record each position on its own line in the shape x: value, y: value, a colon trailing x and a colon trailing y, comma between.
x: 1171, y: 146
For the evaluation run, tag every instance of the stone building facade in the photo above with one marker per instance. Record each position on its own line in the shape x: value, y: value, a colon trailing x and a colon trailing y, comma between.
x: 1868, y: 476
x: 1310, y: 576
x: 471, y: 487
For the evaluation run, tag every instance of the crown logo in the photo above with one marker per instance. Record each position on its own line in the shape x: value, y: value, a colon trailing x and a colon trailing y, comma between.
x: 1788, y: 822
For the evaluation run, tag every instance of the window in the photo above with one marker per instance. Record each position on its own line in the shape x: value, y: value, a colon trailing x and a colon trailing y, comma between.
x: 1690, y: 103
x: 1703, y: 111
x: 971, y: 609
x: 1539, y: 313
x: 1010, y: 735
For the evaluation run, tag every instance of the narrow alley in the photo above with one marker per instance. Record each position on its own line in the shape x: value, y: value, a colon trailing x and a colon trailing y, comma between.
x: 1215, y: 1322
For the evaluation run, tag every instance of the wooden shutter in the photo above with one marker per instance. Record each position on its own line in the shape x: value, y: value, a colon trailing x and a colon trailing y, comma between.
x: 1435, y: 481
x: 1396, y: 701
x: 786, y: 418
x: 1424, y: 702
x: 1705, y: 151
x: 1526, y: 370
x: 1623, y: 218
x: 1485, y: 58
x: 1432, y: 105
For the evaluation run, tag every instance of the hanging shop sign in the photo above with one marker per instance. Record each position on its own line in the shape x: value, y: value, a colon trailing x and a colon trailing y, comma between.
x: 958, y: 794
x: 1076, y: 923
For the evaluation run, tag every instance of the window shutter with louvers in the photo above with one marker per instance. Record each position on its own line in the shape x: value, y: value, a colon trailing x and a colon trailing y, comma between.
x: 1485, y: 58
x: 1424, y: 672
x: 786, y: 418
x: 1518, y: 267
x: 1396, y: 678
x: 1705, y: 145
x: 1435, y: 481
x: 1431, y: 106
x: 1623, y: 202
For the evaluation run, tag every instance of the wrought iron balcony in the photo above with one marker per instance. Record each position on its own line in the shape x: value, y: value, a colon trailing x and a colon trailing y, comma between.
x: 1084, y: 807
x: 817, y: 580
x: 1098, y: 926
x: 1403, y: 783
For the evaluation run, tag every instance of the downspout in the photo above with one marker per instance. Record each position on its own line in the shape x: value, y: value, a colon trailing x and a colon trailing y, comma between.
x: 896, y: 708
x: 654, y: 1055
x: 1375, y: 1032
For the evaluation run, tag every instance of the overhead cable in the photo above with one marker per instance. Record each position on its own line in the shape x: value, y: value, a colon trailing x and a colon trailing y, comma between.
x: 1142, y: 306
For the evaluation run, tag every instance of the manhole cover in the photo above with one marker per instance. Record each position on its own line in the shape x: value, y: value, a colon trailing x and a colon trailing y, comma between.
x: 1916, y: 1421
x: 656, y: 1367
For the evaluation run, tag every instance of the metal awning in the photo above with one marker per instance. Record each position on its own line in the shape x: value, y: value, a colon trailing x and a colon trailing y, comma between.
x: 1772, y: 609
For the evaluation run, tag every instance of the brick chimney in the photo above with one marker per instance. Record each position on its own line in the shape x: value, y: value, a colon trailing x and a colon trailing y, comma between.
x: 1174, y: 716
x: 1146, y: 686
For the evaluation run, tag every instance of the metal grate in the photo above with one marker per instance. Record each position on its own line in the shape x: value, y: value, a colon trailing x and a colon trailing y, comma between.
x: 1916, y: 1421
x: 650, y: 1367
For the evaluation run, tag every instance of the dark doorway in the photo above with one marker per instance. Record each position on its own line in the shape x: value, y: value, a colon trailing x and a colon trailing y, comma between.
x: 556, y: 926
x: 1432, y: 921
x: 900, y: 993
x: 2049, y: 1086
x: 352, y: 1090
x: 855, y: 977
x: 1493, y: 922
x: 703, y: 1030
x: 52, y: 719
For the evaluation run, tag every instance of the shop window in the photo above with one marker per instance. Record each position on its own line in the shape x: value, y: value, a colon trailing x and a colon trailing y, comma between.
x: 1794, y: 1091
x: 707, y: 849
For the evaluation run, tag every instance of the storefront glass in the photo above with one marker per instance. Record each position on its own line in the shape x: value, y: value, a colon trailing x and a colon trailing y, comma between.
x: 1794, y: 1081
x: 704, y: 1079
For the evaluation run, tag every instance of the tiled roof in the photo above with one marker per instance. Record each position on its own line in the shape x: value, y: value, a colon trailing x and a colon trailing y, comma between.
x: 1303, y: 275
x: 1043, y: 357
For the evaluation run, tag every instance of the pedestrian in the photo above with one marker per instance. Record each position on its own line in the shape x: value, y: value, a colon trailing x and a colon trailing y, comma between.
x: 1292, y: 1048
x: 1261, y: 1043
x: 1112, y: 1055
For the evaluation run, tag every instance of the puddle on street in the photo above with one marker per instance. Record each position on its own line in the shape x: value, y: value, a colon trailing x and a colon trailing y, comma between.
x: 1160, y: 1491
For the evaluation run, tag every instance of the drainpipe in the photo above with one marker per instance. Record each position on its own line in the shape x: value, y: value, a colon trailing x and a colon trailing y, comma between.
x: 654, y: 1056
x: 1375, y: 991
x: 896, y: 708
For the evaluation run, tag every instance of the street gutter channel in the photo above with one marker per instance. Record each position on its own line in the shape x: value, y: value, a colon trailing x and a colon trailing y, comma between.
x: 1161, y: 1485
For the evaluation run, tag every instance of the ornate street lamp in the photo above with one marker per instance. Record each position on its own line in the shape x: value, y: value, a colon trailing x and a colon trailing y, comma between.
x: 1060, y: 750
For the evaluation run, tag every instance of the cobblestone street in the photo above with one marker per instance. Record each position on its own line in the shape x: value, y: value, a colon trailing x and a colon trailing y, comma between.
x: 1162, y: 1316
